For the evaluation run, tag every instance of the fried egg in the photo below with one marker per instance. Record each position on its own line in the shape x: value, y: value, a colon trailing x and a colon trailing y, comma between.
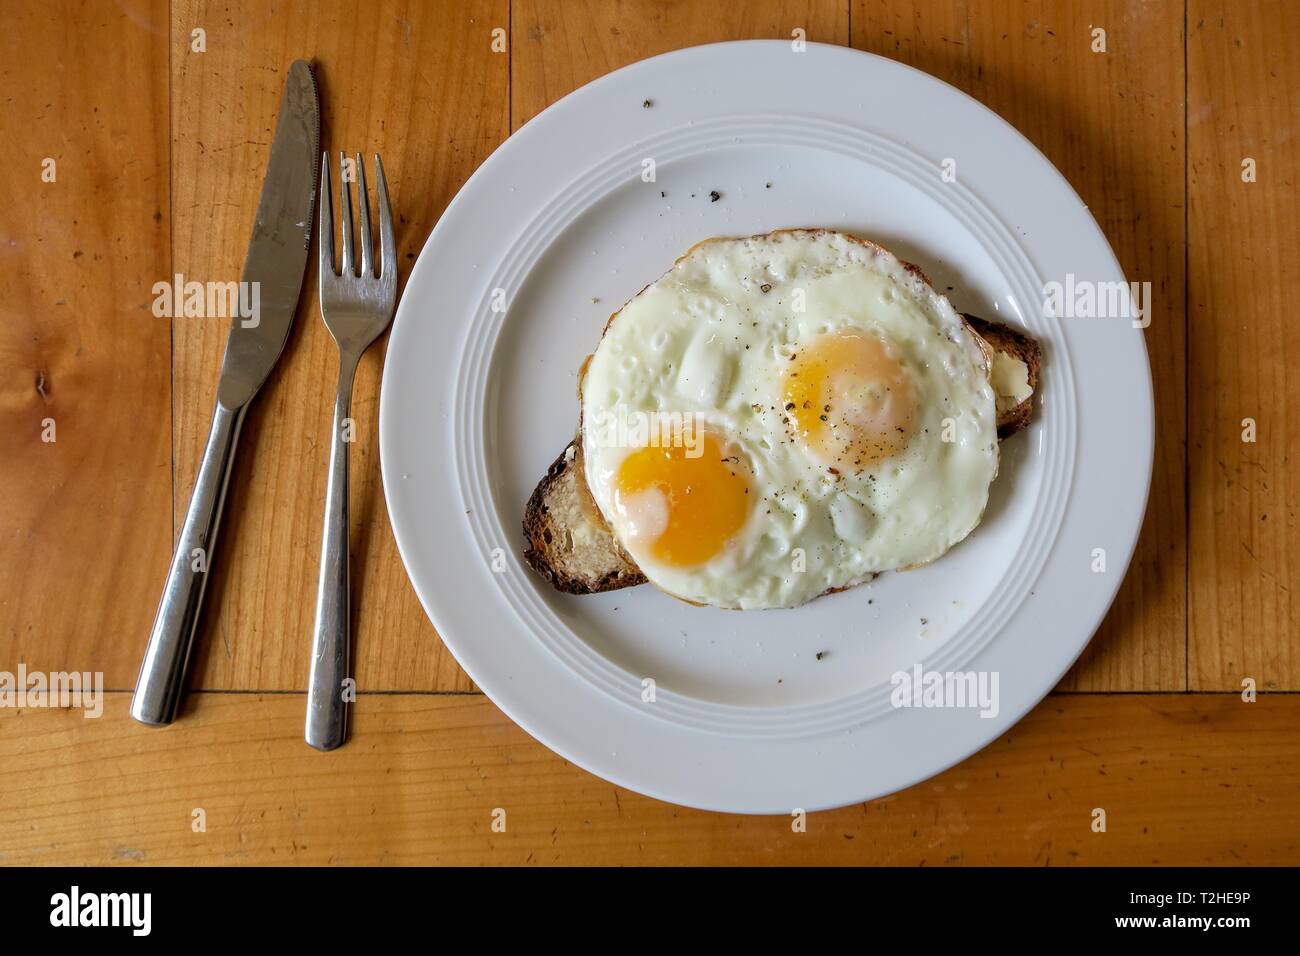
x: 786, y: 415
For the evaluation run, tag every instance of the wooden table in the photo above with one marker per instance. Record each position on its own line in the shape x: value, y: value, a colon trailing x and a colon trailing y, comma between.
x: 158, y: 151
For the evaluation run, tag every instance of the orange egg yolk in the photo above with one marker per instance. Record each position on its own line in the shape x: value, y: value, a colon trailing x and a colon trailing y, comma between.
x: 849, y: 401
x: 683, y: 502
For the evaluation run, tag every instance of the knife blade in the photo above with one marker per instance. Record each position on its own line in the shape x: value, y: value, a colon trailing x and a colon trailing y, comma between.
x: 273, y: 270
x: 277, y: 250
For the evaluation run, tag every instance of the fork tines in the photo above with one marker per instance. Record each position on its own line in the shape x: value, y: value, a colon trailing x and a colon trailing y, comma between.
x: 387, y: 247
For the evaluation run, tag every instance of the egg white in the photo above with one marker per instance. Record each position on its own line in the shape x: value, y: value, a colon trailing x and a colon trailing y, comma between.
x: 714, y: 338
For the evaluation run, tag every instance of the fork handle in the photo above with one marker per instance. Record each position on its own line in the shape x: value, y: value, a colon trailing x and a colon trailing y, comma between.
x: 162, y: 675
x: 327, y: 712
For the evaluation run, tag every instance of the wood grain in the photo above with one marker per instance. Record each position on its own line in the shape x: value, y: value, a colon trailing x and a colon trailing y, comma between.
x: 85, y: 521
x: 1243, y: 104
x: 418, y: 83
x: 560, y: 44
x: 1182, y: 780
x: 1112, y: 123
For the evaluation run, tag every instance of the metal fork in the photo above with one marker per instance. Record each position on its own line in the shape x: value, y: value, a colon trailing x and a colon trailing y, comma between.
x: 356, y: 306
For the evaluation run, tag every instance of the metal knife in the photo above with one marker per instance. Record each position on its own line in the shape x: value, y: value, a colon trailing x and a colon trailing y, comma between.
x: 275, y: 266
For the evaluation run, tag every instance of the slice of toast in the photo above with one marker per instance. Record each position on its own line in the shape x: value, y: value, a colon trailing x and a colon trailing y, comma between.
x: 569, y: 542
x: 571, y: 546
x: 1012, y: 343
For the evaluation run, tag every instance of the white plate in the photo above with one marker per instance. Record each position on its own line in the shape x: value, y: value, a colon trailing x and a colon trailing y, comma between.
x: 477, y: 402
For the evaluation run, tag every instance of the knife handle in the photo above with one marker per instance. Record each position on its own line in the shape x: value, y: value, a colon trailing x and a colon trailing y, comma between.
x: 327, y: 712
x: 162, y: 675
